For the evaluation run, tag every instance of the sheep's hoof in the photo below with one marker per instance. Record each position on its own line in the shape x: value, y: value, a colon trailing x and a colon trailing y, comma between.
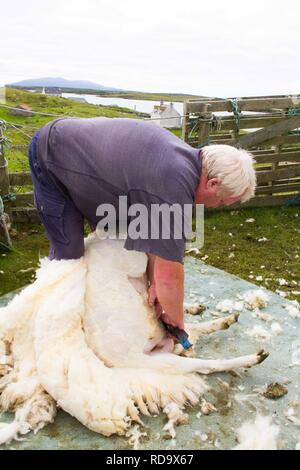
x: 230, y: 320
x: 261, y: 356
x: 197, y: 309
x: 188, y: 352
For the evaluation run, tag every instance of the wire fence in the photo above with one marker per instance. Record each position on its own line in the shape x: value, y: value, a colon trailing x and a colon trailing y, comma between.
x: 216, y: 119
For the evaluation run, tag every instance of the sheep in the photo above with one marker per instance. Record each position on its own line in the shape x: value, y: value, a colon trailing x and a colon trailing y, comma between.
x: 79, y: 338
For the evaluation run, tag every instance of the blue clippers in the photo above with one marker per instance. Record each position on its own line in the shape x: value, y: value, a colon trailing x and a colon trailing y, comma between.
x: 179, y: 334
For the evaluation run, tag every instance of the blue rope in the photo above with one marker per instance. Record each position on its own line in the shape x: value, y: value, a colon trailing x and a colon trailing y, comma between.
x: 236, y: 112
x: 9, y: 197
x: 294, y: 199
x: 294, y: 112
x: 193, y: 129
x: 6, y: 198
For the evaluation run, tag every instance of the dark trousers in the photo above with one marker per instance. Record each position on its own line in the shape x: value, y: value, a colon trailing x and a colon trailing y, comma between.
x: 62, y: 220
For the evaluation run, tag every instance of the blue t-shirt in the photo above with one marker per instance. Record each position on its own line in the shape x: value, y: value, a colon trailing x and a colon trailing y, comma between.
x: 95, y: 160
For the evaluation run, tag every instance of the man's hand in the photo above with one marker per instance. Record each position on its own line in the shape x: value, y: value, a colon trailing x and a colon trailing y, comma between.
x: 165, y: 292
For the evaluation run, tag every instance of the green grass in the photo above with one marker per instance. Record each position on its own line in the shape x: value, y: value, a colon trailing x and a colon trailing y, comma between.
x: 17, y: 140
x: 130, y: 94
x: 29, y: 244
x: 279, y: 225
x: 17, y: 157
x: 139, y: 95
x: 280, y: 254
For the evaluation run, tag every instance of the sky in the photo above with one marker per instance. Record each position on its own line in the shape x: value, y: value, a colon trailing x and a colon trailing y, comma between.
x: 210, y: 48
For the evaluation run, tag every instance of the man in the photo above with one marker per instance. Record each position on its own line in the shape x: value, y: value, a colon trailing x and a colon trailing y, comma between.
x: 78, y: 164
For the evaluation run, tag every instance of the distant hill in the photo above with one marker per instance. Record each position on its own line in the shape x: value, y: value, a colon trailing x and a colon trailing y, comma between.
x: 61, y: 83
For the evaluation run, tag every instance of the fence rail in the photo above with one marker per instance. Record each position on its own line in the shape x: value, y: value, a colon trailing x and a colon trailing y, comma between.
x: 253, y: 103
x: 20, y: 178
x: 271, y: 134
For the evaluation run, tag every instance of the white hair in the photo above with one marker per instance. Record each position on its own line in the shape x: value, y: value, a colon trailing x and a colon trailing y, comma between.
x: 234, y: 167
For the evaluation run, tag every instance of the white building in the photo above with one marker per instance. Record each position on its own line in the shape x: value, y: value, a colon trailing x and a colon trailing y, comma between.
x: 52, y: 91
x: 166, y: 115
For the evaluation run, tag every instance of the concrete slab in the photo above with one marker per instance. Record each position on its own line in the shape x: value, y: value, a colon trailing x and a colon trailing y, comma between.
x: 209, y: 285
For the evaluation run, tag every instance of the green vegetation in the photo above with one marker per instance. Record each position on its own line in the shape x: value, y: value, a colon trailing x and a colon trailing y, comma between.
x: 17, y: 267
x: 139, y: 95
x: 276, y: 256
x: 129, y: 94
x: 16, y: 149
x: 279, y: 255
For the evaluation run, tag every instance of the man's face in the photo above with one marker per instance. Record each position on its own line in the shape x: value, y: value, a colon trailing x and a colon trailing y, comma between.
x: 214, y: 200
x: 210, y: 195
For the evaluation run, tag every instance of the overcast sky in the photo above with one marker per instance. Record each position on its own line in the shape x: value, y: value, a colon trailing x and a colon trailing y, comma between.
x: 212, y: 48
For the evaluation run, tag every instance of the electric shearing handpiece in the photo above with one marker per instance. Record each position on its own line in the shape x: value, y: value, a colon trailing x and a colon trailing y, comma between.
x: 179, y: 334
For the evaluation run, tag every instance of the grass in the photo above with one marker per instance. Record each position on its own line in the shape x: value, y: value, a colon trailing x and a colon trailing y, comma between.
x: 279, y: 255
x: 131, y: 94
x: 139, y: 95
x: 29, y: 244
x: 17, y: 140
x: 228, y: 233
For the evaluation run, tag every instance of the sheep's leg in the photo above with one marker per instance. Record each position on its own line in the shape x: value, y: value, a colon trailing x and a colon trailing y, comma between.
x: 181, y: 365
x: 205, y: 328
x: 211, y: 366
x: 195, y: 309
x: 195, y: 330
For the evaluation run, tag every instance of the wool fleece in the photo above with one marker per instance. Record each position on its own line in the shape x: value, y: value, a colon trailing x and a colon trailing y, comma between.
x: 80, y: 338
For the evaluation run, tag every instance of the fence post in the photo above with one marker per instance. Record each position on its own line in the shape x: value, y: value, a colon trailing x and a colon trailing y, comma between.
x: 185, y: 131
x: 204, y: 124
x: 204, y: 129
x: 4, y: 190
x: 4, y: 178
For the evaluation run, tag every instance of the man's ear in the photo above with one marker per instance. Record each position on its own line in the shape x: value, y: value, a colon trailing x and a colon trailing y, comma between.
x: 213, y: 184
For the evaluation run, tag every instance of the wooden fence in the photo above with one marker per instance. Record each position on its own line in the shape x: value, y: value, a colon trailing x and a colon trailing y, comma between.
x: 21, y: 208
x: 18, y: 204
x: 276, y: 147
x: 267, y: 126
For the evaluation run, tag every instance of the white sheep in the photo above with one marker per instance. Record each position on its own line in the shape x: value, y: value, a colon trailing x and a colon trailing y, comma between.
x: 77, y: 338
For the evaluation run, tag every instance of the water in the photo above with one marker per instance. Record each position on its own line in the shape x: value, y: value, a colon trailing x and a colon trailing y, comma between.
x: 144, y: 106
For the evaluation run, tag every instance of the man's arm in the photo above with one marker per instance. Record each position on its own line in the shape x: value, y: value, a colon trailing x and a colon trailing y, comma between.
x: 167, y: 283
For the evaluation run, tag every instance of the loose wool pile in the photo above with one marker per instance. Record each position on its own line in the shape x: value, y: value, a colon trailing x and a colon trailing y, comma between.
x: 75, y: 339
